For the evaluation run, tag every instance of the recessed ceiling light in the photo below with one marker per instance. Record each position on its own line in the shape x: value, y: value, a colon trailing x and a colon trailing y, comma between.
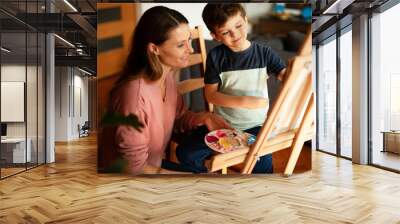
x: 65, y: 41
x: 84, y: 71
x: 70, y: 5
x: 337, y: 7
x: 5, y: 50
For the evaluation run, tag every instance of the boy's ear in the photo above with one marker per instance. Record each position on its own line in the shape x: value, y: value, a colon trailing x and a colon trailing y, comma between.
x: 215, y: 37
x: 153, y: 49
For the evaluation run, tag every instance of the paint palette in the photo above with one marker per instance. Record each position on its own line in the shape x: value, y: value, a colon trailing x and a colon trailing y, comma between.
x: 225, y: 140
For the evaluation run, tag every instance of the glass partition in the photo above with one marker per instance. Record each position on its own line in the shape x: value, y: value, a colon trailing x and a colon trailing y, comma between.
x: 31, y: 97
x: 22, y: 89
x: 13, y: 108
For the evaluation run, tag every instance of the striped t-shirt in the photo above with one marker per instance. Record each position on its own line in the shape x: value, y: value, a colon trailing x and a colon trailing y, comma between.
x: 242, y: 73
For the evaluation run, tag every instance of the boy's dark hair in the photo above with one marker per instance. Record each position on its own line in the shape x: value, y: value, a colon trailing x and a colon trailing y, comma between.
x: 216, y: 15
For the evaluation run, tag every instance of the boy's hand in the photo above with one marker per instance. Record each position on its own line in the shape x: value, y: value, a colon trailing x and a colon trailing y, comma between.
x: 254, y: 102
x: 212, y: 121
x: 282, y: 76
x: 215, y: 122
x: 225, y: 100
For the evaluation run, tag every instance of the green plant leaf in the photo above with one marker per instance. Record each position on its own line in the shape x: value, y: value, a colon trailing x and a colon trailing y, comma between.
x: 115, y: 119
x: 118, y: 166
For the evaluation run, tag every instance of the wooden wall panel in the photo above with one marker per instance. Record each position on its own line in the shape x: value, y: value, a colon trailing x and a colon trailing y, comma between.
x: 112, y: 61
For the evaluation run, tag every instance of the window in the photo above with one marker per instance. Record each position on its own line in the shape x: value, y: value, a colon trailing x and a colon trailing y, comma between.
x: 346, y: 75
x: 385, y: 89
x: 327, y: 96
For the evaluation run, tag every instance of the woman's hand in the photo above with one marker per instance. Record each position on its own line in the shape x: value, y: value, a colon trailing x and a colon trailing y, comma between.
x: 212, y: 121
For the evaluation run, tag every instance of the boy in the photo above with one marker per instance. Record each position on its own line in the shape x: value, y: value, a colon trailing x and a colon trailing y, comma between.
x: 235, y: 80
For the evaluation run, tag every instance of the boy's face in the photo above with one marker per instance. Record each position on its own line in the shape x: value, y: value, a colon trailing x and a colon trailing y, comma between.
x: 233, y: 33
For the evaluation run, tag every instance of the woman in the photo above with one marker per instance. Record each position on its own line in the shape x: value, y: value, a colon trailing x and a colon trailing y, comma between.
x: 160, y: 47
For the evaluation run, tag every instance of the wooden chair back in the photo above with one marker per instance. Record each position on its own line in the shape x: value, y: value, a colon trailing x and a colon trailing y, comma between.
x: 196, y: 58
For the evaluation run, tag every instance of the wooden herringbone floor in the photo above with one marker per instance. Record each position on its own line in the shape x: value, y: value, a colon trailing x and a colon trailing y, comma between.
x: 70, y: 191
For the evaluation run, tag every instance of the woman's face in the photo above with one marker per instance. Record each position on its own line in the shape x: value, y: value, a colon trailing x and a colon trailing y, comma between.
x: 175, y: 51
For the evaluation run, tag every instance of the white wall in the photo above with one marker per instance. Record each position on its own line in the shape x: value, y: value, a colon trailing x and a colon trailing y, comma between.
x: 192, y: 11
x: 82, y: 82
x: 257, y: 10
x: 80, y: 100
x: 71, y: 87
x: 62, y: 80
x: 13, y: 73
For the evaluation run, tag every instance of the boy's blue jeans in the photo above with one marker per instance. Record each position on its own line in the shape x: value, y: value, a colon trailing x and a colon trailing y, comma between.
x: 192, y: 151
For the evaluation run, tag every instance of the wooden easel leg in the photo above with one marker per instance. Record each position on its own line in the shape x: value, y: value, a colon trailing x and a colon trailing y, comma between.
x: 224, y: 170
x: 294, y: 155
x: 298, y: 141
x: 172, y: 155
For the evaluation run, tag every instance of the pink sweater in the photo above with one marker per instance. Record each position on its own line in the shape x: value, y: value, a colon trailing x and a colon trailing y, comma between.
x: 144, y: 98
